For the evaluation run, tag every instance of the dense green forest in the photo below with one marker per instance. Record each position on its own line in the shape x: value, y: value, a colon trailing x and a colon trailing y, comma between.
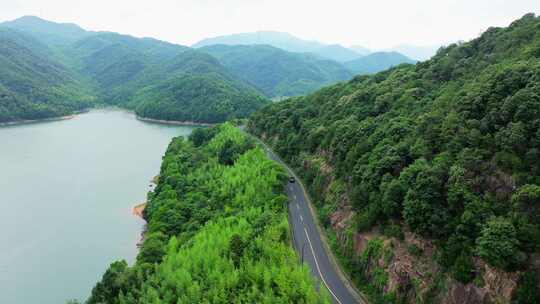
x: 33, y: 84
x: 162, y: 80
x: 448, y: 149
x: 376, y: 62
x: 185, y: 98
x: 276, y: 72
x: 217, y: 231
x: 51, y: 69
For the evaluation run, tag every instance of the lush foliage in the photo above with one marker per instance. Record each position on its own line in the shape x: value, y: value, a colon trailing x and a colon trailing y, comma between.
x: 276, y: 72
x: 217, y: 231
x: 449, y: 147
x: 33, y: 84
x: 498, y: 243
x: 162, y: 80
x: 197, y: 98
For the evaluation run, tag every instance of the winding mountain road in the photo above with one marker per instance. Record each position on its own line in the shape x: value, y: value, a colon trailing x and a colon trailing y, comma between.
x: 308, y: 243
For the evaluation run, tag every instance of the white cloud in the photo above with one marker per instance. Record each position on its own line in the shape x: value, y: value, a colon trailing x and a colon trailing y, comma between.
x: 376, y: 24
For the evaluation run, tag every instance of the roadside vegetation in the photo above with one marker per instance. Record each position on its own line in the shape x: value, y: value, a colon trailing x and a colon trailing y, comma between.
x: 217, y: 231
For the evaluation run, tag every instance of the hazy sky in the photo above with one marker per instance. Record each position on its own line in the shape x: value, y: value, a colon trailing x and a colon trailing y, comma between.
x: 374, y: 24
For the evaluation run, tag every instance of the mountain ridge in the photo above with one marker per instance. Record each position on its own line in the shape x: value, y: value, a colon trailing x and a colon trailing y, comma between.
x: 291, y: 43
x: 283, y: 41
x: 120, y: 69
x: 48, y: 31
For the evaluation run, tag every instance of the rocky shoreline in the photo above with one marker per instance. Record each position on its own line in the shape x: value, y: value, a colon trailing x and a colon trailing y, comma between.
x: 138, y: 209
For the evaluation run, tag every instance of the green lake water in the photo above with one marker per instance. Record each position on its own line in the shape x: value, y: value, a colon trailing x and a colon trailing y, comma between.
x: 66, y: 192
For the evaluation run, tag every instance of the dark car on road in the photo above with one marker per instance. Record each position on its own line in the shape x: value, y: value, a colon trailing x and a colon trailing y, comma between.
x: 291, y: 179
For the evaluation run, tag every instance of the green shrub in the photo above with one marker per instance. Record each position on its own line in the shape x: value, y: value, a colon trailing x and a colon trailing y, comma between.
x: 498, y: 243
x: 463, y: 269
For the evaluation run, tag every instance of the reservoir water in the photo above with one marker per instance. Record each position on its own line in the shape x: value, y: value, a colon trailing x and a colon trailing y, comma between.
x: 66, y: 192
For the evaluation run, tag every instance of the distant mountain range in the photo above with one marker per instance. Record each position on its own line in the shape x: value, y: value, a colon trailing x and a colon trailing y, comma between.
x: 286, y: 42
x: 291, y: 43
x: 50, y: 69
x: 376, y: 62
x: 283, y: 65
x: 47, y: 31
x: 280, y: 40
x: 360, y: 50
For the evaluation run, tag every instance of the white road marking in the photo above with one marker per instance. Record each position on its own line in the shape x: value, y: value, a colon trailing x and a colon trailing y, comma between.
x: 318, y: 268
x: 294, y: 195
x: 305, y: 230
x: 301, y: 218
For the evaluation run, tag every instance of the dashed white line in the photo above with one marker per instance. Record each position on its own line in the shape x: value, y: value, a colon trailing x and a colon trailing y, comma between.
x: 301, y: 218
x: 297, y: 207
x: 319, y: 269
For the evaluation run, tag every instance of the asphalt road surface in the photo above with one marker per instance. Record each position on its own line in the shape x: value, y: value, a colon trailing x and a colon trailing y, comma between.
x: 308, y: 244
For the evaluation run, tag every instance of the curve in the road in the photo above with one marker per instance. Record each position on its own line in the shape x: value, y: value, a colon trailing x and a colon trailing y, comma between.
x: 308, y: 242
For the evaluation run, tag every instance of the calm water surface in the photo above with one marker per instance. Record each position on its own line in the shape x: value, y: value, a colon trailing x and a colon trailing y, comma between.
x: 66, y: 192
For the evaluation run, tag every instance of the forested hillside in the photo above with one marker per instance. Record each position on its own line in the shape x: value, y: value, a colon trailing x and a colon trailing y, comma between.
x: 377, y: 62
x: 276, y: 72
x: 63, y: 64
x: 197, y: 98
x: 33, y: 85
x: 162, y: 80
x: 217, y: 231
x: 427, y: 176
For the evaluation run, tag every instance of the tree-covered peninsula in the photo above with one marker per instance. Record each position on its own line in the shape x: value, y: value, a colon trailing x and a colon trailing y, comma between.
x: 217, y: 231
